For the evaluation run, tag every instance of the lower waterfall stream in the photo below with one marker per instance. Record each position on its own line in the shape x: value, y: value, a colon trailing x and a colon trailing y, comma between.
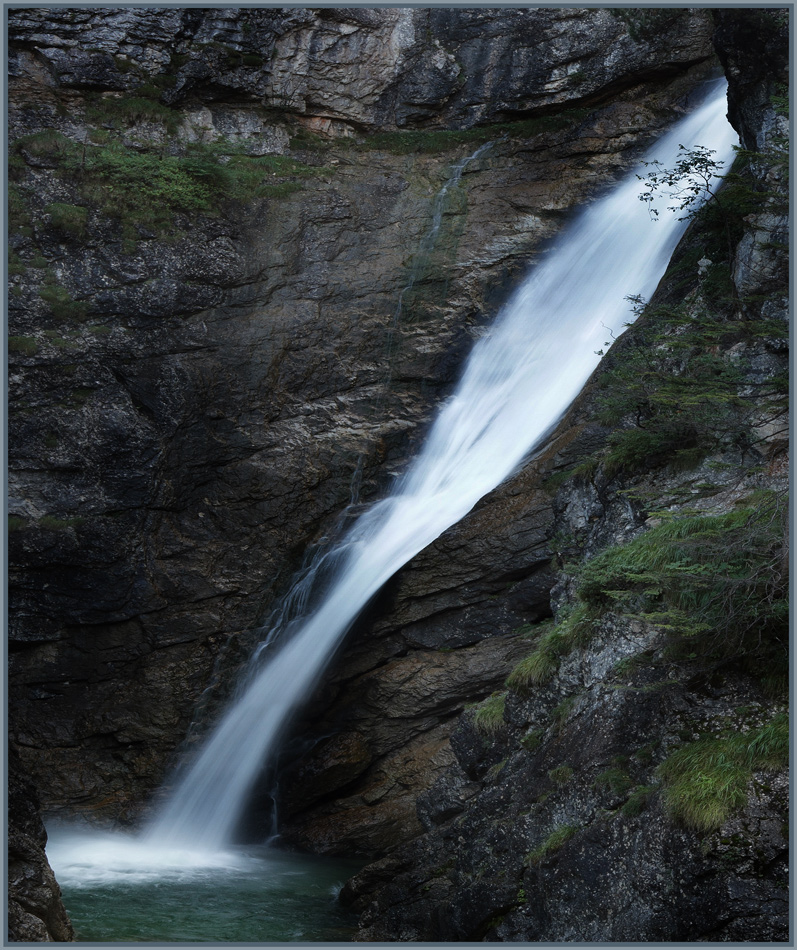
x: 520, y: 378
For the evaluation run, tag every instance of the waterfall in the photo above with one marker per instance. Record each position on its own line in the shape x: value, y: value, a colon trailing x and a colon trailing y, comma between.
x: 520, y: 378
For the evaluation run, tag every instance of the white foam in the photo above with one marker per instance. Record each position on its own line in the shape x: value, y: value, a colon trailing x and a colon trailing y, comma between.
x: 84, y: 857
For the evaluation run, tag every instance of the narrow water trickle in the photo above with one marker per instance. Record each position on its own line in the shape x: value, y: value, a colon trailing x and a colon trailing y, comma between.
x: 419, y: 260
x: 519, y: 380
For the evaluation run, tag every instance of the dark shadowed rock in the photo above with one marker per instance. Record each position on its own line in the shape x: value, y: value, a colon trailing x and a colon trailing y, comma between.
x: 35, y: 910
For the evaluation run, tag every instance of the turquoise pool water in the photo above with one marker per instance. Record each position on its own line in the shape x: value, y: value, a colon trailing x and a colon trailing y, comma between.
x: 117, y: 889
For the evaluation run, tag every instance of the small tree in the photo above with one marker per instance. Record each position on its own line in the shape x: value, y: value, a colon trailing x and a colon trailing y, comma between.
x: 692, y: 182
x: 689, y: 183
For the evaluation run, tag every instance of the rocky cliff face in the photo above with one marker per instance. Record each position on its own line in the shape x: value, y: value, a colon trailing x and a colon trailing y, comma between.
x: 230, y: 314
x: 194, y: 378
x: 629, y: 781
x: 35, y: 911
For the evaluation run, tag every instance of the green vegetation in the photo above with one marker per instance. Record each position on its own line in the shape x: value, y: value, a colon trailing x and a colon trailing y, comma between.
x: 705, y: 782
x: 46, y: 144
x: 146, y: 186
x: 15, y: 523
x: 60, y: 301
x: 51, y: 523
x: 637, y: 801
x: 440, y: 140
x: 678, y: 388
x: 644, y: 755
x: 489, y: 715
x: 720, y: 581
x: 495, y: 770
x: 68, y: 218
x: 54, y: 338
x: 555, y: 840
x: 616, y: 779
x: 23, y: 345
x: 532, y: 740
x: 16, y: 266
x: 77, y: 397
x: 561, y: 775
x: 146, y: 189
x: 123, y: 111
x: 574, y: 629
x: 561, y: 713
x: 19, y: 219
x: 676, y: 394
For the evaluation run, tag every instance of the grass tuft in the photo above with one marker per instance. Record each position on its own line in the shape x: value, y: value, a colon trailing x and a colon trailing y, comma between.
x: 555, y: 840
x: 574, y: 629
x: 70, y: 219
x: 489, y: 715
x: 23, y: 345
x: 705, y: 782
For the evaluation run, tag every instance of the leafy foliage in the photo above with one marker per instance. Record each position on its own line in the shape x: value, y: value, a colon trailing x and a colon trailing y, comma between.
x: 687, y: 184
x: 677, y: 393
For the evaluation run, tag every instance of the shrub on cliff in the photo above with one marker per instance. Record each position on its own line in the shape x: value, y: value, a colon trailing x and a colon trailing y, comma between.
x: 720, y: 581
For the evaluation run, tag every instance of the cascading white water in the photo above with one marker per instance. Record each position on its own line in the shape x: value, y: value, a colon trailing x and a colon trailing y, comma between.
x: 520, y: 378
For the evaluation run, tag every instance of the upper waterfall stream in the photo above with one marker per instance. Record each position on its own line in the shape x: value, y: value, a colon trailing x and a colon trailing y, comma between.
x: 518, y: 381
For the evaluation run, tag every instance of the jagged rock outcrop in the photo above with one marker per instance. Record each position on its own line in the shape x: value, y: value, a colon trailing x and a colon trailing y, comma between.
x: 342, y: 70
